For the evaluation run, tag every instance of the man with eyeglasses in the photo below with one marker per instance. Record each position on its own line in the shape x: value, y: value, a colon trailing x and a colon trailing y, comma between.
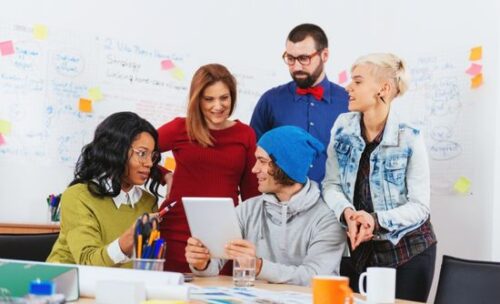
x: 310, y: 101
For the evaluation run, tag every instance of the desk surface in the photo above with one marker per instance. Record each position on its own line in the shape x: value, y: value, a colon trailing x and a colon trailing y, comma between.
x: 225, y: 281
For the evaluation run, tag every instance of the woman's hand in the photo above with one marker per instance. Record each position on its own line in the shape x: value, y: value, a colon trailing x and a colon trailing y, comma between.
x: 126, y: 241
x: 352, y: 225
x: 197, y: 254
x: 366, y: 224
x: 169, y: 178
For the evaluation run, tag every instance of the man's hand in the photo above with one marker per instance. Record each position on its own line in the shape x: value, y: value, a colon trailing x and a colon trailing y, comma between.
x: 240, y: 247
x: 197, y: 254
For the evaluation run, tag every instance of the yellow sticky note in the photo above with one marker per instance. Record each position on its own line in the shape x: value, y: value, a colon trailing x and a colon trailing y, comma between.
x: 40, y: 32
x: 462, y: 185
x: 177, y: 73
x: 5, y: 126
x: 85, y: 105
x: 95, y: 93
x: 476, y: 53
x: 170, y: 163
x: 476, y: 81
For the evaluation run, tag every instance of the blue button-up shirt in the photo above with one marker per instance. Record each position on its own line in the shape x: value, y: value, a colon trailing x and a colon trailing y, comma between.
x: 282, y: 106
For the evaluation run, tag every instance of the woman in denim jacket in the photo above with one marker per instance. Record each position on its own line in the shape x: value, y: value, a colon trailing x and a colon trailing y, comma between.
x: 377, y: 181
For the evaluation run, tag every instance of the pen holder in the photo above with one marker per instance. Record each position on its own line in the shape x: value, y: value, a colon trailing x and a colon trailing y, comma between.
x: 54, y: 214
x: 148, y: 264
x: 54, y: 208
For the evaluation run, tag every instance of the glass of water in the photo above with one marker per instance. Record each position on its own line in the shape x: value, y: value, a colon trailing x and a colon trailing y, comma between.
x: 244, y: 271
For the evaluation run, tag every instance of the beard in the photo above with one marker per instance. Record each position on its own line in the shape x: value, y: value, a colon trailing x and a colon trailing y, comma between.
x: 310, y: 79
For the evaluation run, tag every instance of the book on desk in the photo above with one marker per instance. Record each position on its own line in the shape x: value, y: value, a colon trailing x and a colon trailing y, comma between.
x: 16, y: 276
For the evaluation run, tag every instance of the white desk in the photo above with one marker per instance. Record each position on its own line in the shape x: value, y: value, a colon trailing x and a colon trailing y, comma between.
x: 225, y: 281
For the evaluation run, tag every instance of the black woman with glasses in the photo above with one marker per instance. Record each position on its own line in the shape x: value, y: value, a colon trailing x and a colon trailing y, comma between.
x: 104, y: 200
x: 310, y: 101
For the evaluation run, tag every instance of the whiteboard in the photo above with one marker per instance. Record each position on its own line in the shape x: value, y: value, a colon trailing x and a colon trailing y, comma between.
x: 118, y: 47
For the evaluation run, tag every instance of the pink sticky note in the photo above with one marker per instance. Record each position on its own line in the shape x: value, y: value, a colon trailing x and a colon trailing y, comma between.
x: 2, y: 140
x: 474, y: 69
x: 342, y: 77
x: 6, y: 48
x: 167, y: 64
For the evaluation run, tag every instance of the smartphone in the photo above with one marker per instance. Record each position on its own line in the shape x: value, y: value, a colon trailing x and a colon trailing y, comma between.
x: 188, y: 276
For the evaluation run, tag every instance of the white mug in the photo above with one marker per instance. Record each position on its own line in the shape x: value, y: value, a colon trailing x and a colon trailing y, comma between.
x: 380, y: 284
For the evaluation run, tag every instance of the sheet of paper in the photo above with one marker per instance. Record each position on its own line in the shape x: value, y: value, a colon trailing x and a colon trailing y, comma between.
x: 249, y: 295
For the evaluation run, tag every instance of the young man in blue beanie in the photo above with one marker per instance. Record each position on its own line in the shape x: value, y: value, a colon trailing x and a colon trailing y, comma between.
x: 289, y: 228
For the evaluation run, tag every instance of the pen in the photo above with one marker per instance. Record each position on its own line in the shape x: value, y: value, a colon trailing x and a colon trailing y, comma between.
x: 167, y: 209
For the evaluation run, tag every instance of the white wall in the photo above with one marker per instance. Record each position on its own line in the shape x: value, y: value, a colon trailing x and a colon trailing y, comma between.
x: 248, y: 37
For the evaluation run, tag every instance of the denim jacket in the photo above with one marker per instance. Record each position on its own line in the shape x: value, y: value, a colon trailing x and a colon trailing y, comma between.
x: 399, y: 174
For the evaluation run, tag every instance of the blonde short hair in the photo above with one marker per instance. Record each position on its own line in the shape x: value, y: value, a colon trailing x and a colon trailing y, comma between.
x: 387, y: 66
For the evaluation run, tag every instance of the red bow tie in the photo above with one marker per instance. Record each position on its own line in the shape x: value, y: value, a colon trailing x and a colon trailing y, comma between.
x: 316, y: 92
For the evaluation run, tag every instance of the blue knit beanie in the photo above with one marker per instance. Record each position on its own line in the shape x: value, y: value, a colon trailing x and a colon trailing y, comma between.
x: 292, y: 149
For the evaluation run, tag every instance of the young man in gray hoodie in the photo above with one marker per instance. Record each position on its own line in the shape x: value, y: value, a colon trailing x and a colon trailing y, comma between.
x: 289, y: 228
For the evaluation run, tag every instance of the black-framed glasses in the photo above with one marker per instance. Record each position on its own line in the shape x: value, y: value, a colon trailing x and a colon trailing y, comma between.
x: 143, y: 155
x: 303, y: 59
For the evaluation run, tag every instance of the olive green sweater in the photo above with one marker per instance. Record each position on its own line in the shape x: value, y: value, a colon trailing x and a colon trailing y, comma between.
x: 89, y: 224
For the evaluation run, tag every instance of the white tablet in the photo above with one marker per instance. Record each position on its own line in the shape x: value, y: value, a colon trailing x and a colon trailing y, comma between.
x: 213, y: 221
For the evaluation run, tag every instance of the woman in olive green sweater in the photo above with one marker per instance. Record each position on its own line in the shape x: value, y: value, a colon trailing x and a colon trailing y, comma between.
x: 102, y: 203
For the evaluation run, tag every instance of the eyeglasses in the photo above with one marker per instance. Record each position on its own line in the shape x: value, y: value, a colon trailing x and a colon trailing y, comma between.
x: 144, y: 154
x: 303, y: 59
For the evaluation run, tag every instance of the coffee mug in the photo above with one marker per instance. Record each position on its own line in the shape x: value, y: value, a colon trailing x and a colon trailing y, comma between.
x: 380, y: 284
x: 331, y: 290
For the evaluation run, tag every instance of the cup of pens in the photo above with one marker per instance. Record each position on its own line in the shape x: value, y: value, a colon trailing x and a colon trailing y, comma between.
x: 149, y: 248
x: 53, y: 201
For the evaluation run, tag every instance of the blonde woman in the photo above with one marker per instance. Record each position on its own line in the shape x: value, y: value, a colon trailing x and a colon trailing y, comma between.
x: 377, y: 180
x: 214, y: 155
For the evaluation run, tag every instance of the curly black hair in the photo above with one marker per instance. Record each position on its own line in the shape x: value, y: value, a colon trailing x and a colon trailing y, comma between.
x: 105, y: 158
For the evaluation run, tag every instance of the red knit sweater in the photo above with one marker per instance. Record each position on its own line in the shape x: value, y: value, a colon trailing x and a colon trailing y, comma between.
x: 223, y: 170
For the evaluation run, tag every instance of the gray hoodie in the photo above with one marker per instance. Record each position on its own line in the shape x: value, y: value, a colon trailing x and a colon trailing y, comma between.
x: 296, y: 239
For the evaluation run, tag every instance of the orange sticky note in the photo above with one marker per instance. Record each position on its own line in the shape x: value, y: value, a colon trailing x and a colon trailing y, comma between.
x: 6, y: 48
x: 476, y: 53
x: 476, y: 81
x: 85, y: 105
x: 40, y: 32
x: 2, y: 140
x: 170, y: 163
x: 95, y: 93
x: 177, y: 73
x: 5, y: 126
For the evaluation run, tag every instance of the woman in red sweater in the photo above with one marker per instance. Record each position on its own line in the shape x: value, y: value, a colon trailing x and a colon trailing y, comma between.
x: 213, y: 154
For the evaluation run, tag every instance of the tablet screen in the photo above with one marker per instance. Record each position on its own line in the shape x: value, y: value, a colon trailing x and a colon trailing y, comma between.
x: 213, y: 221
